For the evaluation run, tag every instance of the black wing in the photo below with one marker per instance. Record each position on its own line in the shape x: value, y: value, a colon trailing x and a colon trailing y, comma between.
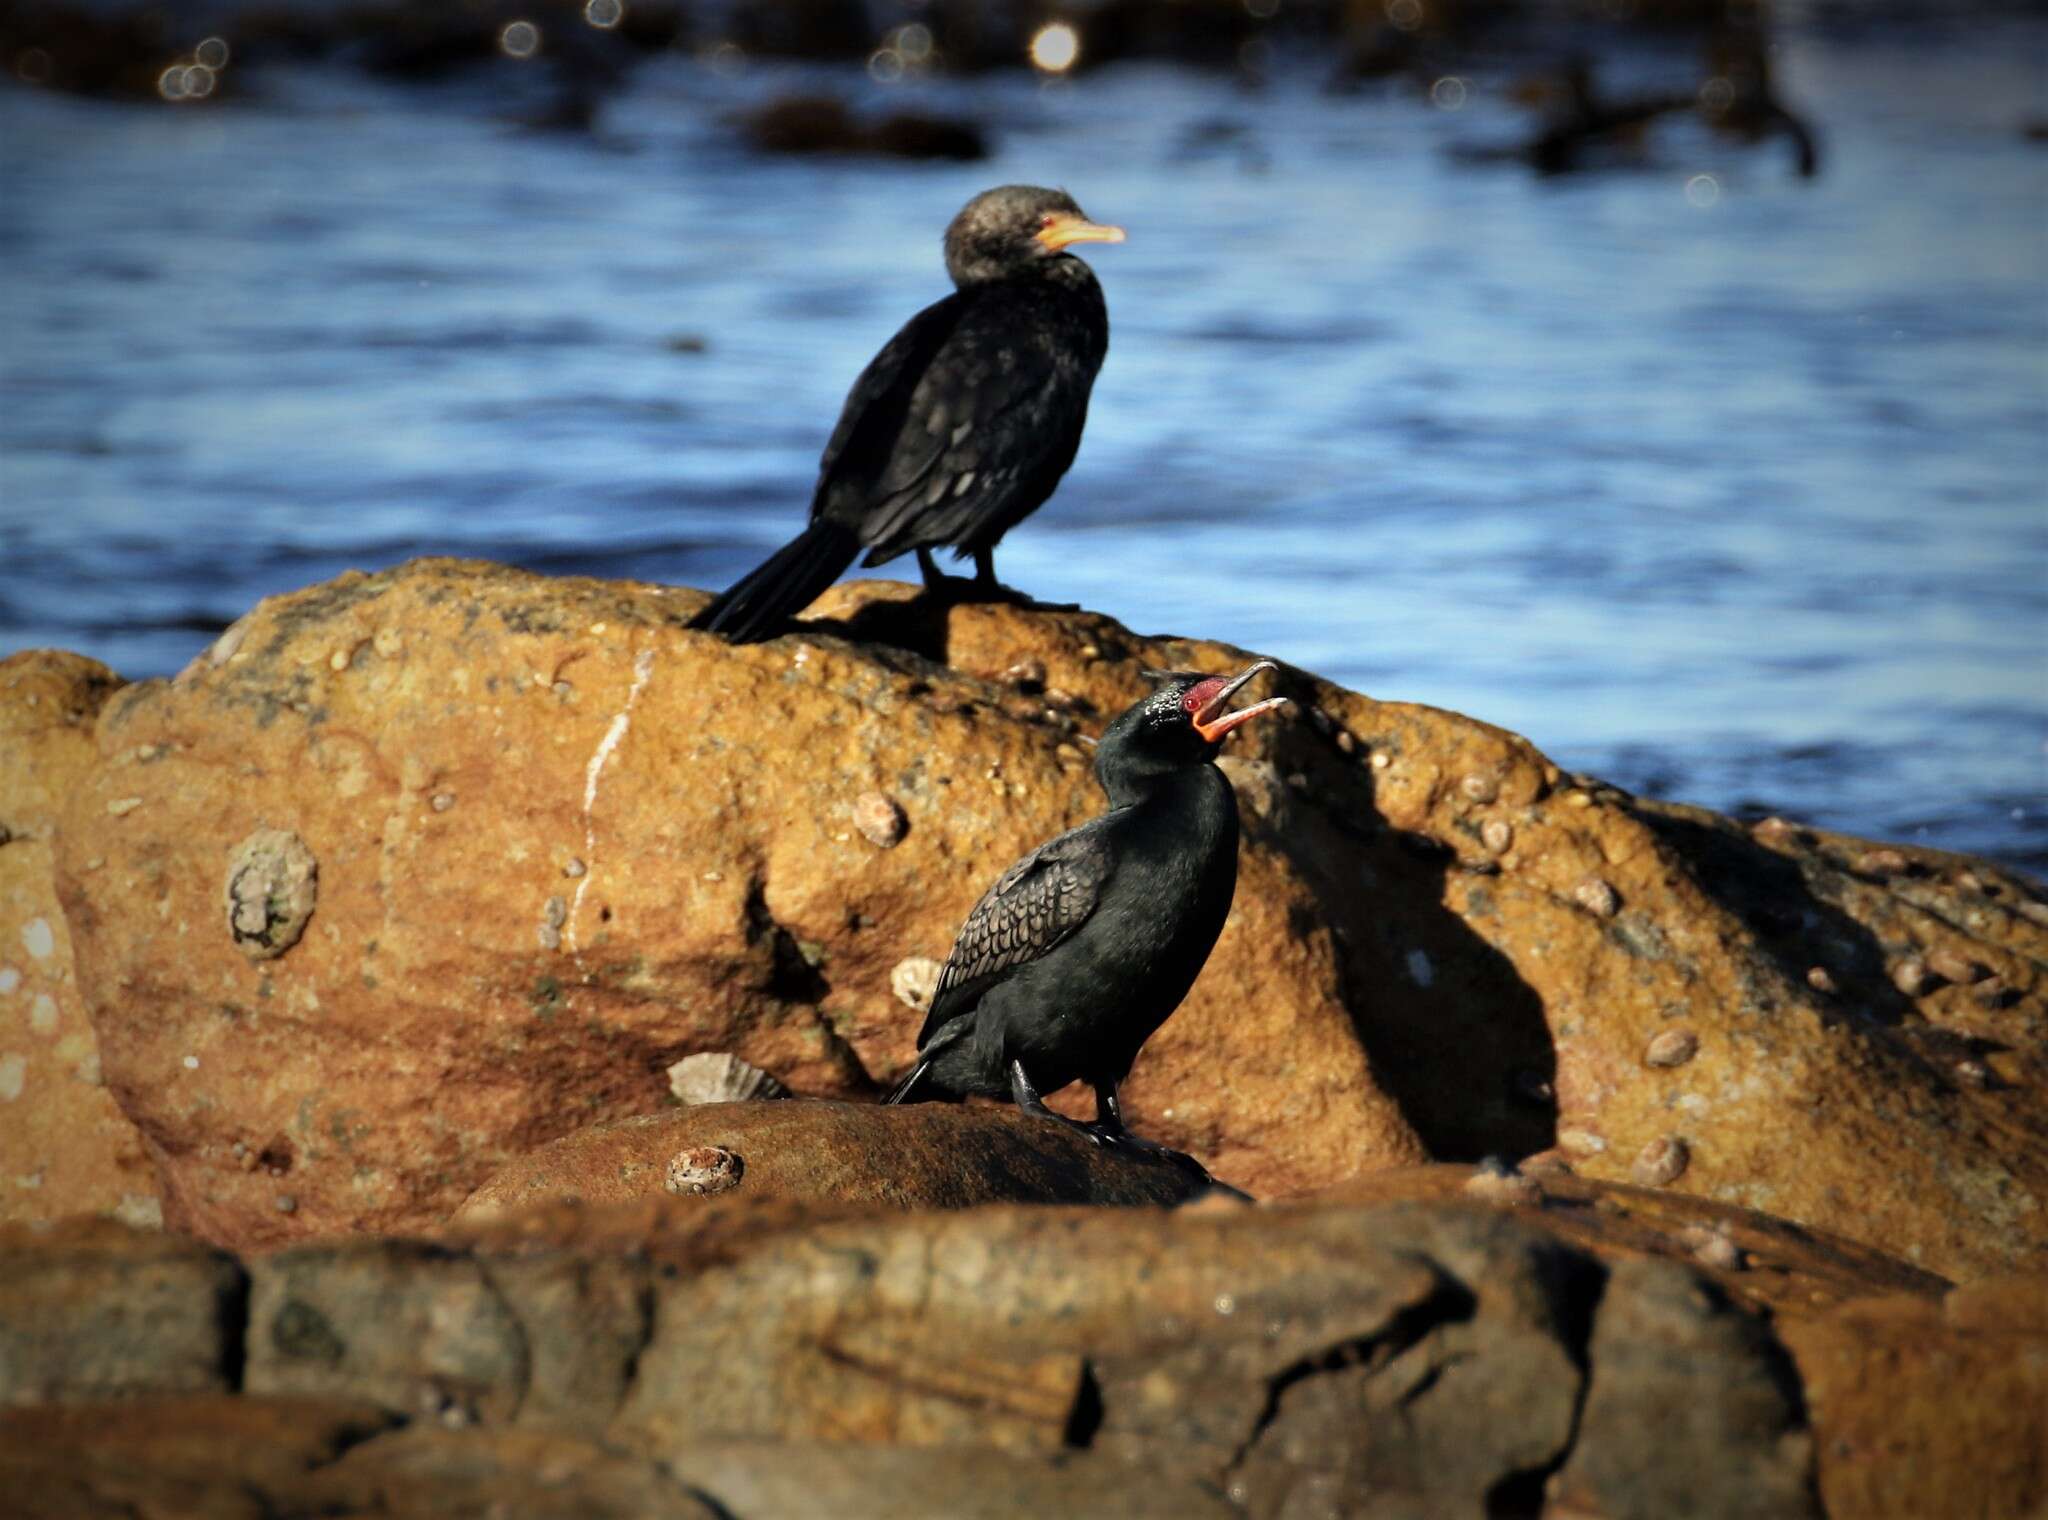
x: 1034, y: 905
x: 871, y: 422
x: 976, y: 419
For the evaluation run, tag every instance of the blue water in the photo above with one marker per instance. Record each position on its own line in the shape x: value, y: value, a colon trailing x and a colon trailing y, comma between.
x: 1742, y: 503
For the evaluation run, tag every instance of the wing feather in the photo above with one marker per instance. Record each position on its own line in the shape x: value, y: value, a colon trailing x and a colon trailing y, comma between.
x: 1036, y: 904
x: 971, y: 407
x: 864, y: 442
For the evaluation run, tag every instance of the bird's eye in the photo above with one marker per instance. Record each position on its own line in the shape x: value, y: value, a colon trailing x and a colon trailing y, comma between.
x: 1192, y: 702
x: 1048, y: 219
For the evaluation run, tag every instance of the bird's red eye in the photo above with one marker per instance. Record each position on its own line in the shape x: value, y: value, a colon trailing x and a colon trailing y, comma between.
x: 1048, y: 219
x: 1192, y: 702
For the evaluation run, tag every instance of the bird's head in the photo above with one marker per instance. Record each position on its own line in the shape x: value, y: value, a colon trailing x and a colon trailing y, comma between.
x: 1015, y: 230
x: 1180, y: 725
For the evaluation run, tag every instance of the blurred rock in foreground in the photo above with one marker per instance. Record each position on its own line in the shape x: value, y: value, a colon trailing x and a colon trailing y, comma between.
x: 551, y: 842
x: 1557, y: 1348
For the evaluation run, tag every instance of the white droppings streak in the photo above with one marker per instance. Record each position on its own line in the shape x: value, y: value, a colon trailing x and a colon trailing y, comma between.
x: 13, y: 1074
x: 643, y: 667
x: 1420, y: 969
x: 42, y: 1013
x: 9, y: 980
x: 37, y: 939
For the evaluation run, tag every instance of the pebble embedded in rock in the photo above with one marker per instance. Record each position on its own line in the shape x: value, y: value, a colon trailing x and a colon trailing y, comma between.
x: 1662, y: 1161
x: 720, y: 1077
x: 1953, y: 966
x: 1882, y: 863
x: 1821, y: 980
x: 1912, y: 977
x: 1973, y: 1073
x: 272, y: 885
x: 1497, y: 834
x: 1480, y: 787
x: 1597, y: 897
x: 1674, y: 1047
x: 1712, y: 1248
x: 1503, y: 1187
x: 879, y: 819
x: 702, y: 1170
x: 553, y: 914
x: 914, y: 980
x: 1027, y: 673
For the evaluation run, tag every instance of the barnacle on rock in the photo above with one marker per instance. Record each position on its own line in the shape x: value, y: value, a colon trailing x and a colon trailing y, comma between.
x: 272, y: 883
x: 719, y: 1077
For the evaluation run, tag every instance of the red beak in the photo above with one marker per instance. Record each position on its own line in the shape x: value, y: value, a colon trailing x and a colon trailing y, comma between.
x: 1211, y: 721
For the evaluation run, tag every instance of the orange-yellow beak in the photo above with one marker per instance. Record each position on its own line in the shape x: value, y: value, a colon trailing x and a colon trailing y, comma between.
x: 1212, y: 722
x: 1064, y: 229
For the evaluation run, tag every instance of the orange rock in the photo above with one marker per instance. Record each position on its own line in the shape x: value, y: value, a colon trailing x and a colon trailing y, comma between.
x: 67, y: 1147
x: 923, y: 1156
x: 1927, y: 1408
x: 1771, y: 1265
x: 561, y: 842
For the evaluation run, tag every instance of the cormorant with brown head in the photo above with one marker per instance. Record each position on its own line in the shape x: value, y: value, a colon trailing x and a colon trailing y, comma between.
x: 965, y: 421
x: 1085, y: 946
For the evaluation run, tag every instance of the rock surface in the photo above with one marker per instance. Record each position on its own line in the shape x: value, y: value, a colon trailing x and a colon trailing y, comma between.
x: 1769, y: 1265
x: 65, y: 1148
x: 1693, y: 1407
x: 94, y: 1309
x: 1411, y: 1358
x: 562, y: 842
x: 923, y: 1156
x: 1931, y: 1408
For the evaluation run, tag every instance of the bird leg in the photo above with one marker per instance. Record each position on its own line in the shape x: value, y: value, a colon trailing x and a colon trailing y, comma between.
x: 935, y: 579
x: 984, y: 587
x: 1025, y: 1096
x: 1108, y: 1127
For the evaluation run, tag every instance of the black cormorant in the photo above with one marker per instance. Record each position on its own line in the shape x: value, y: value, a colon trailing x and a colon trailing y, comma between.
x: 963, y: 424
x: 1085, y: 946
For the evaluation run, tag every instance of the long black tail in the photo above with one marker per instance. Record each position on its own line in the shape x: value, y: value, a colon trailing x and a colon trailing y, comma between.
x: 789, y: 580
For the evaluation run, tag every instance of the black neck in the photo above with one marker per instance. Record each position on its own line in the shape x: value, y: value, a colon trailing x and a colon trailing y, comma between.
x: 1128, y: 785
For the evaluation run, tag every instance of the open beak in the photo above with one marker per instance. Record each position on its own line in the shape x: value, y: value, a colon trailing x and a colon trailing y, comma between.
x: 1065, y: 228
x: 1212, y: 722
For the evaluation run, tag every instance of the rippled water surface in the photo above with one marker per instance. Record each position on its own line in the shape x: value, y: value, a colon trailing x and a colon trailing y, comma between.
x: 1743, y: 503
